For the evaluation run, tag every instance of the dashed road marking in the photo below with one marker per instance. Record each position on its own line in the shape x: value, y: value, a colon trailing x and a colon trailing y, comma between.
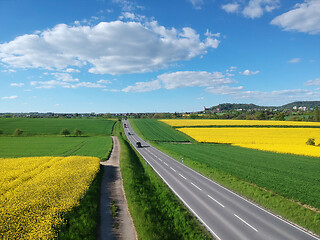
x: 246, y: 222
x: 215, y: 201
x: 196, y: 186
x: 182, y: 176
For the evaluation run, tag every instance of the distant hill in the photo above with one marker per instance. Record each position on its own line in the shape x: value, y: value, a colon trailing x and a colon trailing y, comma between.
x: 307, y: 104
x: 235, y: 106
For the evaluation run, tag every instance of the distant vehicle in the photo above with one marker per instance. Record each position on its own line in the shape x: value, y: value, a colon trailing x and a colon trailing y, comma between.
x: 138, y: 144
x: 125, y: 125
x: 129, y: 133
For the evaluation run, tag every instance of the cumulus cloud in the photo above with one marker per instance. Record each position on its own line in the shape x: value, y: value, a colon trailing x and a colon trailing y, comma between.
x: 315, y: 82
x: 72, y: 70
x: 224, y: 90
x: 197, y: 4
x: 107, y: 48
x: 9, y: 98
x: 294, y: 60
x: 104, y: 81
x: 248, y: 72
x: 16, y: 84
x: 9, y: 70
x: 181, y: 79
x: 143, y: 87
x: 304, y: 17
x: 253, y: 8
x: 231, y: 7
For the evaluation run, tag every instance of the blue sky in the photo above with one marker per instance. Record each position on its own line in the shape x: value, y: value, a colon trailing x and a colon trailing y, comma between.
x: 156, y: 55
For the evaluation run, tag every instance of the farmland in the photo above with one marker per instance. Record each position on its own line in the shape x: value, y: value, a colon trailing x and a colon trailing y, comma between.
x: 53, y: 126
x: 59, y: 188
x: 157, y: 131
x: 55, y: 146
x: 37, y: 192
x: 281, y: 140
x: 233, y: 123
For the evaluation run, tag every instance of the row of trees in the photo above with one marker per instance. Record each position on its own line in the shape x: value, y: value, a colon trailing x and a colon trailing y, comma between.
x: 77, y: 132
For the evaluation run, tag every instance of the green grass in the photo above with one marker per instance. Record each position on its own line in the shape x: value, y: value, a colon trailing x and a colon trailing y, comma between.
x: 155, y: 130
x: 157, y: 213
x: 53, y: 126
x: 55, y: 146
x: 82, y: 222
x: 270, y: 179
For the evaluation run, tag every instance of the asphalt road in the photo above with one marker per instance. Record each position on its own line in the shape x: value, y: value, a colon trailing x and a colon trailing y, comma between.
x: 225, y: 214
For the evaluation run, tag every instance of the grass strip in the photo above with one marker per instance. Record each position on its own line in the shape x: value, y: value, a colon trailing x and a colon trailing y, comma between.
x: 286, y: 208
x: 83, y: 221
x: 157, y: 213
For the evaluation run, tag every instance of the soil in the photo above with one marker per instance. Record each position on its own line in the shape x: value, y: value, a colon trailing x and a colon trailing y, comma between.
x: 119, y: 226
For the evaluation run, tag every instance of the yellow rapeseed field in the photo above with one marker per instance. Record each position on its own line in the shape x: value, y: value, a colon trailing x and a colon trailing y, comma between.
x: 223, y: 122
x: 35, y: 192
x: 282, y: 140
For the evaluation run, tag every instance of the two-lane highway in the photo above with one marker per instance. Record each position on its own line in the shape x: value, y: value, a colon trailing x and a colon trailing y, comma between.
x: 225, y: 214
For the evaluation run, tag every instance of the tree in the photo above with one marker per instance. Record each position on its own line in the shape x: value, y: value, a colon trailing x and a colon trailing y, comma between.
x: 316, y: 113
x: 77, y: 132
x: 17, y: 132
x: 279, y: 117
x: 65, y: 132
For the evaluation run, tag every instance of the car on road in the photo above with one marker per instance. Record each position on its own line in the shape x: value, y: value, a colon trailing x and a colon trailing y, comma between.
x: 138, y: 144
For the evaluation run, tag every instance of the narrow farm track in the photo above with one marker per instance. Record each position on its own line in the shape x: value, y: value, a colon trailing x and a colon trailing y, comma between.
x: 121, y: 226
x: 225, y: 214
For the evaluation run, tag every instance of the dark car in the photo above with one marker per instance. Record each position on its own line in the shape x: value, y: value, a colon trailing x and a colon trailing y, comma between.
x: 138, y: 144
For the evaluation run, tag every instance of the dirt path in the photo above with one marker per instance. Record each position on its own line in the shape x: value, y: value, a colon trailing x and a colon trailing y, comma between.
x: 121, y: 226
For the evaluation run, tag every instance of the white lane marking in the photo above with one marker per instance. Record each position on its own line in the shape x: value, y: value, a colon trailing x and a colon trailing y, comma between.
x: 184, y: 202
x: 196, y: 186
x: 237, y: 195
x: 165, y: 163
x: 173, y: 169
x: 182, y: 176
x: 215, y: 201
x: 246, y: 222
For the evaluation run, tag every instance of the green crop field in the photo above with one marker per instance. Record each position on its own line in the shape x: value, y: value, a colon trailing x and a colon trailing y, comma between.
x: 291, y: 176
x: 55, y: 146
x: 53, y: 126
x: 155, y: 130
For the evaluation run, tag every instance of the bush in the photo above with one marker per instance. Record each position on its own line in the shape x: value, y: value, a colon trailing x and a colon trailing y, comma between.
x: 65, y: 132
x: 311, y: 142
x: 1, y: 131
x: 17, y: 132
x: 77, y: 132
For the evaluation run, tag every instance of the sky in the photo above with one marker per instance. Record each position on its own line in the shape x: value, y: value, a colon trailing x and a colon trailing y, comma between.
x: 119, y: 56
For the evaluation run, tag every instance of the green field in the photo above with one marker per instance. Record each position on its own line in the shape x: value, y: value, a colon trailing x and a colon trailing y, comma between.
x: 53, y: 126
x: 154, y: 130
x: 294, y: 177
x: 55, y: 146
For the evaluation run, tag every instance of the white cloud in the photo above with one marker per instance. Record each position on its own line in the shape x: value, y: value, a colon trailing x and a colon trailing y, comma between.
x: 16, y: 84
x: 108, y: 48
x: 315, y: 82
x: 181, y: 79
x: 305, y: 17
x: 9, y: 70
x: 231, y: 7
x: 248, y: 72
x: 253, y: 8
x: 294, y: 60
x: 143, y: 87
x: 72, y: 70
x: 193, y: 79
x: 103, y: 81
x: 197, y: 4
x: 65, y: 77
x: 9, y: 98
x: 55, y: 83
x: 127, y: 5
x: 256, y: 8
